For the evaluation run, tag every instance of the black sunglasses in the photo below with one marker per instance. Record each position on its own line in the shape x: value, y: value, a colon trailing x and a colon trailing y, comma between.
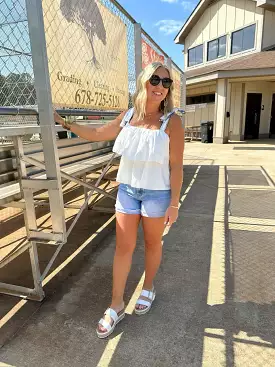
x: 155, y: 80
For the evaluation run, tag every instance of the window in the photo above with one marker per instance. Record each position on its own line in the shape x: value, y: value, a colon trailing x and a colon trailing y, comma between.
x: 205, y: 98
x: 216, y: 48
x: 243, y: 39
x: 195, y: 55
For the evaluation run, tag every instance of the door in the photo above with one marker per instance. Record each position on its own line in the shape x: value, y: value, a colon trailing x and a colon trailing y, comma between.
x: 272, y: 119
x: 253, y: 115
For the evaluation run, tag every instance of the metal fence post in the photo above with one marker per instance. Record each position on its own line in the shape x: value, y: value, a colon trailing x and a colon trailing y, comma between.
x: 183, y: 97
x: 183, y: 90
x: 138, y: 49
x: 169, y: 63
x: 44, y: 99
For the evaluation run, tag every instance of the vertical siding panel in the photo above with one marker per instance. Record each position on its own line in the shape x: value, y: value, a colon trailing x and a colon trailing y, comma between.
x: 199, y: 33
x: 269, y: 36
x: 205, y: 22
x: 259, y: 17
x: 214, y: 20
x: 258, y: 13
x: 238, y: 108
x: 250, y: 9
x: 240, y: 6
x: 222, y: 17
x: 204, y: 114
x: 231, y: 15
x: 211, y: 112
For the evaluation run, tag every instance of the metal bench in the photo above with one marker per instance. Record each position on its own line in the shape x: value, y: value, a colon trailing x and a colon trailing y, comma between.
x: 77, y: 158
x: 193, y: 133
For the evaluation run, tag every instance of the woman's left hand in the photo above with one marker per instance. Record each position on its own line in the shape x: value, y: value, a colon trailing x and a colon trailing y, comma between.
x: 171, y: 215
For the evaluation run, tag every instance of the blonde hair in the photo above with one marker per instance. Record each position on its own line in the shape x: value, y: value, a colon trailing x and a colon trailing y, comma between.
x: 140, y: 97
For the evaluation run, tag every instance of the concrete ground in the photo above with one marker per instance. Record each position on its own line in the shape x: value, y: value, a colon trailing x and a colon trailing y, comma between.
x: 215, y: 302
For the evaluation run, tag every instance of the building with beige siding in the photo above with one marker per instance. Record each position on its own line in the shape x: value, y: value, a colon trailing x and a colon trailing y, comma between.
x: 229, y: 57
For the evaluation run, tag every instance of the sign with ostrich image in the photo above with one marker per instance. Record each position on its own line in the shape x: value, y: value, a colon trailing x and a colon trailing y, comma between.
x: 87, y: 55
x: 149, y: 55
x: 176, y: 76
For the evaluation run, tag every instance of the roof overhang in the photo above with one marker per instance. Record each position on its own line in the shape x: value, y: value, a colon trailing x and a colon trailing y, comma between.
x: 229, y: 74
x: 266, y: 4
x: 199, y: 10
x: 193, y: 18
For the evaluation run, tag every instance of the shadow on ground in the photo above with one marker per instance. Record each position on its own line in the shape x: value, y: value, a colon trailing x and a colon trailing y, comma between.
x: 177, y: 331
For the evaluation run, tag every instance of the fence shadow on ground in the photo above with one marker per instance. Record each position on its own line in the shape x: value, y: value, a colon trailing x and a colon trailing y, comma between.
x: 193, y: 322
x: 184, y: 329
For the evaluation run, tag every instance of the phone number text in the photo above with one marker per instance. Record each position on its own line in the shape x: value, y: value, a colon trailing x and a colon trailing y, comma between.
x: 83, y: 96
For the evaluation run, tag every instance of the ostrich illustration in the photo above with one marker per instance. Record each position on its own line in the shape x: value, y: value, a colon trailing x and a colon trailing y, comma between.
x: 86, y: 14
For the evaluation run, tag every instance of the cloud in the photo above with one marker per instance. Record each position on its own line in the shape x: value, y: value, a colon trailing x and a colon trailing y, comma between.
x: 169, y: 1
x: 188, y: 5
x: 169, y: 26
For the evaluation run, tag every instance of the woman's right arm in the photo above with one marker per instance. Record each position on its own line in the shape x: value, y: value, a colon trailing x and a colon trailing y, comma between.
x: 103, y: 133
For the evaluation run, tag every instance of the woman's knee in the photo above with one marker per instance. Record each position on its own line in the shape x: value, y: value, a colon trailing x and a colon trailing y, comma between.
x: 155, y: 245
x: 124, y: 248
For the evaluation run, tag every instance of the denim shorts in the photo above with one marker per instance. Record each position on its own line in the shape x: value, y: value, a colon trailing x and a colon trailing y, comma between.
x: 147, y: 203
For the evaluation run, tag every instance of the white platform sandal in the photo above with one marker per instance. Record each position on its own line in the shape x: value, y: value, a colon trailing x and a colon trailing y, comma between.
x: 116, y: 317
x: 151, y: 295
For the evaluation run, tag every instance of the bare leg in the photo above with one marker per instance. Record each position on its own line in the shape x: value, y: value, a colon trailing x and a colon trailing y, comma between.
x: 126, y: 237
x: 153, y: 230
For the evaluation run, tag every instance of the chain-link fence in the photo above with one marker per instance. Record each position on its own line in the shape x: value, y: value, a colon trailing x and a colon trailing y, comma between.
x: 16, y: 71
x: 92, y: 57
x: 131, y: 55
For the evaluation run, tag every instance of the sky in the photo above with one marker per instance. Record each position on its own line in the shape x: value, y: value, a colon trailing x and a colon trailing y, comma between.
x: 162, y: 19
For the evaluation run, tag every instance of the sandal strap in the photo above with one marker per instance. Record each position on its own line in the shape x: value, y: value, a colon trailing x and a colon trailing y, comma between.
x: 112, y: 313
x: 148, y: 294
x: 105, y: 324
x: 143, y: 302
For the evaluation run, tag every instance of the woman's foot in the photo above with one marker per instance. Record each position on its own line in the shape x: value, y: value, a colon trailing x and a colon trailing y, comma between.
x: 111, y: 318
x: 144, y: 303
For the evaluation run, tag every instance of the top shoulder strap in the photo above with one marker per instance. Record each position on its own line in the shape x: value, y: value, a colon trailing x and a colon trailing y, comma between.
x: 165, y: 119
x: 127, y: 117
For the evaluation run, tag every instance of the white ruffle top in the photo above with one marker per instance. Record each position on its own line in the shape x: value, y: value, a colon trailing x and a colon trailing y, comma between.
x: 145, y: 155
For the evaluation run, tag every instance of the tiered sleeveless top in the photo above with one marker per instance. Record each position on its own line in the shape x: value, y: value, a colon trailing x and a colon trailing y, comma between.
x: 145, y: 155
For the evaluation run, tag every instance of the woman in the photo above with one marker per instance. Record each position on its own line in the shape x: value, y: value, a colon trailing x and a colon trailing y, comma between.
x: 150, y: 139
